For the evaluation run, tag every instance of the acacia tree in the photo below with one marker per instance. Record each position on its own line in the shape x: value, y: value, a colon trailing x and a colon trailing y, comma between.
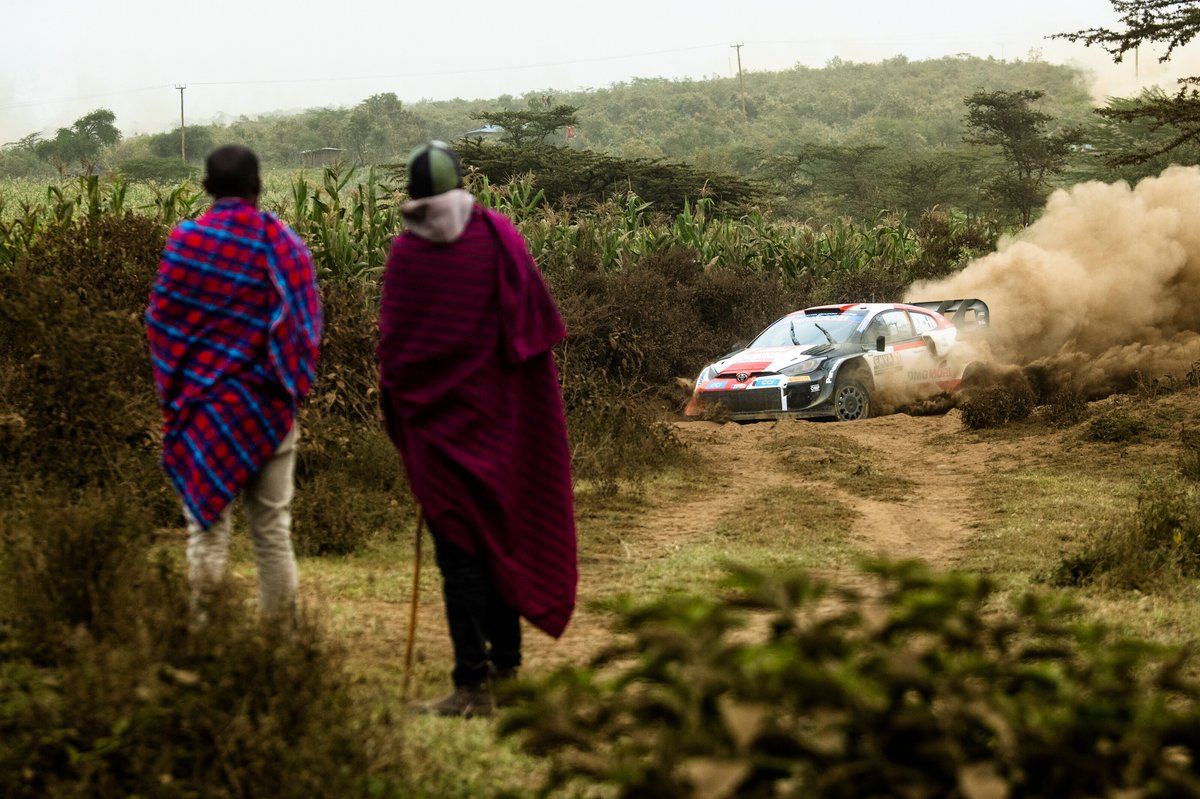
x: 532, y: 127
x: 1033, y: 155
x: 1175, y: 119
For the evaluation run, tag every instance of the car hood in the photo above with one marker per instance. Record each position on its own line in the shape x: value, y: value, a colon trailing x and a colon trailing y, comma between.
x: 762, y: 359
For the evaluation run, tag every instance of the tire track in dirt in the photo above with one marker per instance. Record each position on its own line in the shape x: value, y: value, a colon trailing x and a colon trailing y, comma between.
x: 930, y: 520
x: 741, y: 466
x: 936, y: 516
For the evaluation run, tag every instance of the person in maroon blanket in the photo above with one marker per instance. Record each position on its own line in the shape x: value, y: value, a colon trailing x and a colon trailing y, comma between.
x: 471, y: 400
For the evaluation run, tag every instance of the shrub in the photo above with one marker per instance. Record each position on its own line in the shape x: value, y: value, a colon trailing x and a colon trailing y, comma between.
x: 75, y: 381
x: 1189, y: 453
x: 156, y: 168
x: 350, y: 486
x: 912, y: 686
x: 1159, y: 545
x: 613, y: 438
x: 77, y: 565
x: 1115, y: 426
x: 1065, y: 408
x: 994, y: 396
x: 105, y: 691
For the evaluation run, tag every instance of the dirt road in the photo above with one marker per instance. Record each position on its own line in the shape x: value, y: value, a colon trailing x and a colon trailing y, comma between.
x: 928, y: 514
x: 910, y: 483
x: 927, y: 518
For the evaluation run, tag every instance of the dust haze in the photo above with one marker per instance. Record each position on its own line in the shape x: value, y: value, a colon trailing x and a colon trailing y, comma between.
x: 1102, y: 291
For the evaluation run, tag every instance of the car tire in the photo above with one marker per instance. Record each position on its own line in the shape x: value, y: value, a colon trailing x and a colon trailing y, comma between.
x: 851, y: 400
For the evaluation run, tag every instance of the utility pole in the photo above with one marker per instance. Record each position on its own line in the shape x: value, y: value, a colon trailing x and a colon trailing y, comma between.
x: 182, y: 135
x: 741, y: 82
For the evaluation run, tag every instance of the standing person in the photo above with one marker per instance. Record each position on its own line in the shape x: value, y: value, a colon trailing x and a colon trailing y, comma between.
x: 471, y: 400
x: 234, y: 325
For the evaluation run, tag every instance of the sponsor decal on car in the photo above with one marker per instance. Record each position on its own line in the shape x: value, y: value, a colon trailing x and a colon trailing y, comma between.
x: 716, y: 385
x: 799, y: 379
x: 764, y: 382
x: 884, y: 361
x: 924, y: 375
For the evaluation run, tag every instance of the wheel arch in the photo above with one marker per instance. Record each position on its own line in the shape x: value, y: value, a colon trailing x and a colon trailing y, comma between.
x: 855, y: 366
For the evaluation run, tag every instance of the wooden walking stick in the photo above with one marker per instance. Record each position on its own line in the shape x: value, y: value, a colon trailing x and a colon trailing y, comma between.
x: 413, y: 603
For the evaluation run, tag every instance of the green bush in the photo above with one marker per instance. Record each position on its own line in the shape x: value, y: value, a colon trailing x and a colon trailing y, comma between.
x: 913, y: 686
x: 1115, y: 426
x: 77, y: 564
x: 350, y: 486
x: 1158, y: 546
x: 76, y: 390
x: 105, y: 690
x: 156, y: 168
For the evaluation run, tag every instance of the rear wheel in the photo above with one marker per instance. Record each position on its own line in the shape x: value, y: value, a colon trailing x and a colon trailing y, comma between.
x: 851, y: 400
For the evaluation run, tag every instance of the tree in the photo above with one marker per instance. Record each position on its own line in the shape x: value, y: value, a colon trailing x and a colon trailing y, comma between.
x: 380, y: 128
x: 569, y: 176
x: 847, y: 173
x: 1135, y: 137
x: 199, y: 139
x: 1032, y: 154
x: 1170, y: 22
x: 529, y: 127
x: 82, y: 141
x: 1173, y: 120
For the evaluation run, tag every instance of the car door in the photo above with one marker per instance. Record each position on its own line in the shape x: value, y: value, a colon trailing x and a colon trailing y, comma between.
x: 931, y: 369
x: 891, y: 365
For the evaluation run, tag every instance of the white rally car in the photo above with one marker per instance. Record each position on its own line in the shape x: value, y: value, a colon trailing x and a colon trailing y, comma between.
x: 845, y: 361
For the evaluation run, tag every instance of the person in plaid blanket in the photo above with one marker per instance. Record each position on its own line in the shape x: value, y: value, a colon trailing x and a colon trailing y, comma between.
x: 234, y: 325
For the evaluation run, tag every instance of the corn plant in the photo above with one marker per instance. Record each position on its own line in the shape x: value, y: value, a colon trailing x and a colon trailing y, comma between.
x: 349, y: 230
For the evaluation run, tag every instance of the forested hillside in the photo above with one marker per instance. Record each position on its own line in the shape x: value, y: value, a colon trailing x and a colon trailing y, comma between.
x: 847, y: 139
x: 910, y: 104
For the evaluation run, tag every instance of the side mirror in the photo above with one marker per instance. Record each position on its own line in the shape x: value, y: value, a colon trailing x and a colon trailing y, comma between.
x: 880, y: 344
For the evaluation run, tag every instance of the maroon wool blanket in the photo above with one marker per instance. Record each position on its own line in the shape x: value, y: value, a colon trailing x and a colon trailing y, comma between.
x: 471, y: 400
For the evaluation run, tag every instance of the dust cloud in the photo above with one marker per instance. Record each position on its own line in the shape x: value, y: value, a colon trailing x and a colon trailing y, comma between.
x: 1102, y: 291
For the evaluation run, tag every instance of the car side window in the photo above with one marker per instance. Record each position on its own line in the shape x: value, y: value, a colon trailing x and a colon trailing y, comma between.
x: 874, y: 330
x: 897, y: 326
x: 892, y: 325
x: 923, y: 323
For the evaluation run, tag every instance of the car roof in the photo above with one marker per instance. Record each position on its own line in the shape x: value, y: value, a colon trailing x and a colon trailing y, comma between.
x: 857, y: 308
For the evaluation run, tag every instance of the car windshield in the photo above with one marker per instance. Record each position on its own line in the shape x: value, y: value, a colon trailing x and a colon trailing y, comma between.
x: 806, y: 331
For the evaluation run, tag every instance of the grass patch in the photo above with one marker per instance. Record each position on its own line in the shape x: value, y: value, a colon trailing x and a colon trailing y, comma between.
x: 1034, y: 513
x: 1157, y: 545
x: 831, y: 458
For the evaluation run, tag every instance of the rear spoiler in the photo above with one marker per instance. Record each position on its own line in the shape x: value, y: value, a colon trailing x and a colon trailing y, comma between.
x: 961, y: 313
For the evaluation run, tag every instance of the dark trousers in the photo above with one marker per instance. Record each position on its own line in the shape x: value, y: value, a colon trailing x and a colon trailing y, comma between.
x: 485, y: 630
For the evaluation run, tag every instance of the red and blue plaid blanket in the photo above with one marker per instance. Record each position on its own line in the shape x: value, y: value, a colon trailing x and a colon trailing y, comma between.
x: 234, y: 325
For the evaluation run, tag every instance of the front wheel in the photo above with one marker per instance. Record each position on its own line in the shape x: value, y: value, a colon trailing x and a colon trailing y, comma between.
x: 851, y: 400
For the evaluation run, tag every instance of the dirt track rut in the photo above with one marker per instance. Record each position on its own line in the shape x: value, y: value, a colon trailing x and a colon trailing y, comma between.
x: 929, y: 519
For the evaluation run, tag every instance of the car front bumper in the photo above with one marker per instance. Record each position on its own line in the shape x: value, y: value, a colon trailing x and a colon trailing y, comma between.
x: 772, y: 397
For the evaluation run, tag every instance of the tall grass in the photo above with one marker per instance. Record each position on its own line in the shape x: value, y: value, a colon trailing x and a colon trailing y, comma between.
x: 348, y: 218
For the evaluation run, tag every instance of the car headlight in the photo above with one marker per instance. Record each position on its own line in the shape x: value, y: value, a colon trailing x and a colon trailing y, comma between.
x: 708, y: 374
x: 802, y: 367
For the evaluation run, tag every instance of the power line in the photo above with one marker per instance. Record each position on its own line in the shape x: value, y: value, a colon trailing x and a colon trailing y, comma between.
x: 387, y: 76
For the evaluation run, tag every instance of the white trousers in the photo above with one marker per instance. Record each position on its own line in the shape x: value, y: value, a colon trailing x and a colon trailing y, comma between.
x: 268, y: 504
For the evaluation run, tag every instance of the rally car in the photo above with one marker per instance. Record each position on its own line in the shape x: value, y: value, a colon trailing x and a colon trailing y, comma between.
x: 846, y: 361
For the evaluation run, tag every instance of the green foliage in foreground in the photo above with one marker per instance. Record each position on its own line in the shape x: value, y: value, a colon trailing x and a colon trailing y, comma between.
x: 106, y: 691
x: 914, y: 685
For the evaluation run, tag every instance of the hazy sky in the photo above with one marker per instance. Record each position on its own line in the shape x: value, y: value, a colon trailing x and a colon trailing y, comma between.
x: 59, y: 60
